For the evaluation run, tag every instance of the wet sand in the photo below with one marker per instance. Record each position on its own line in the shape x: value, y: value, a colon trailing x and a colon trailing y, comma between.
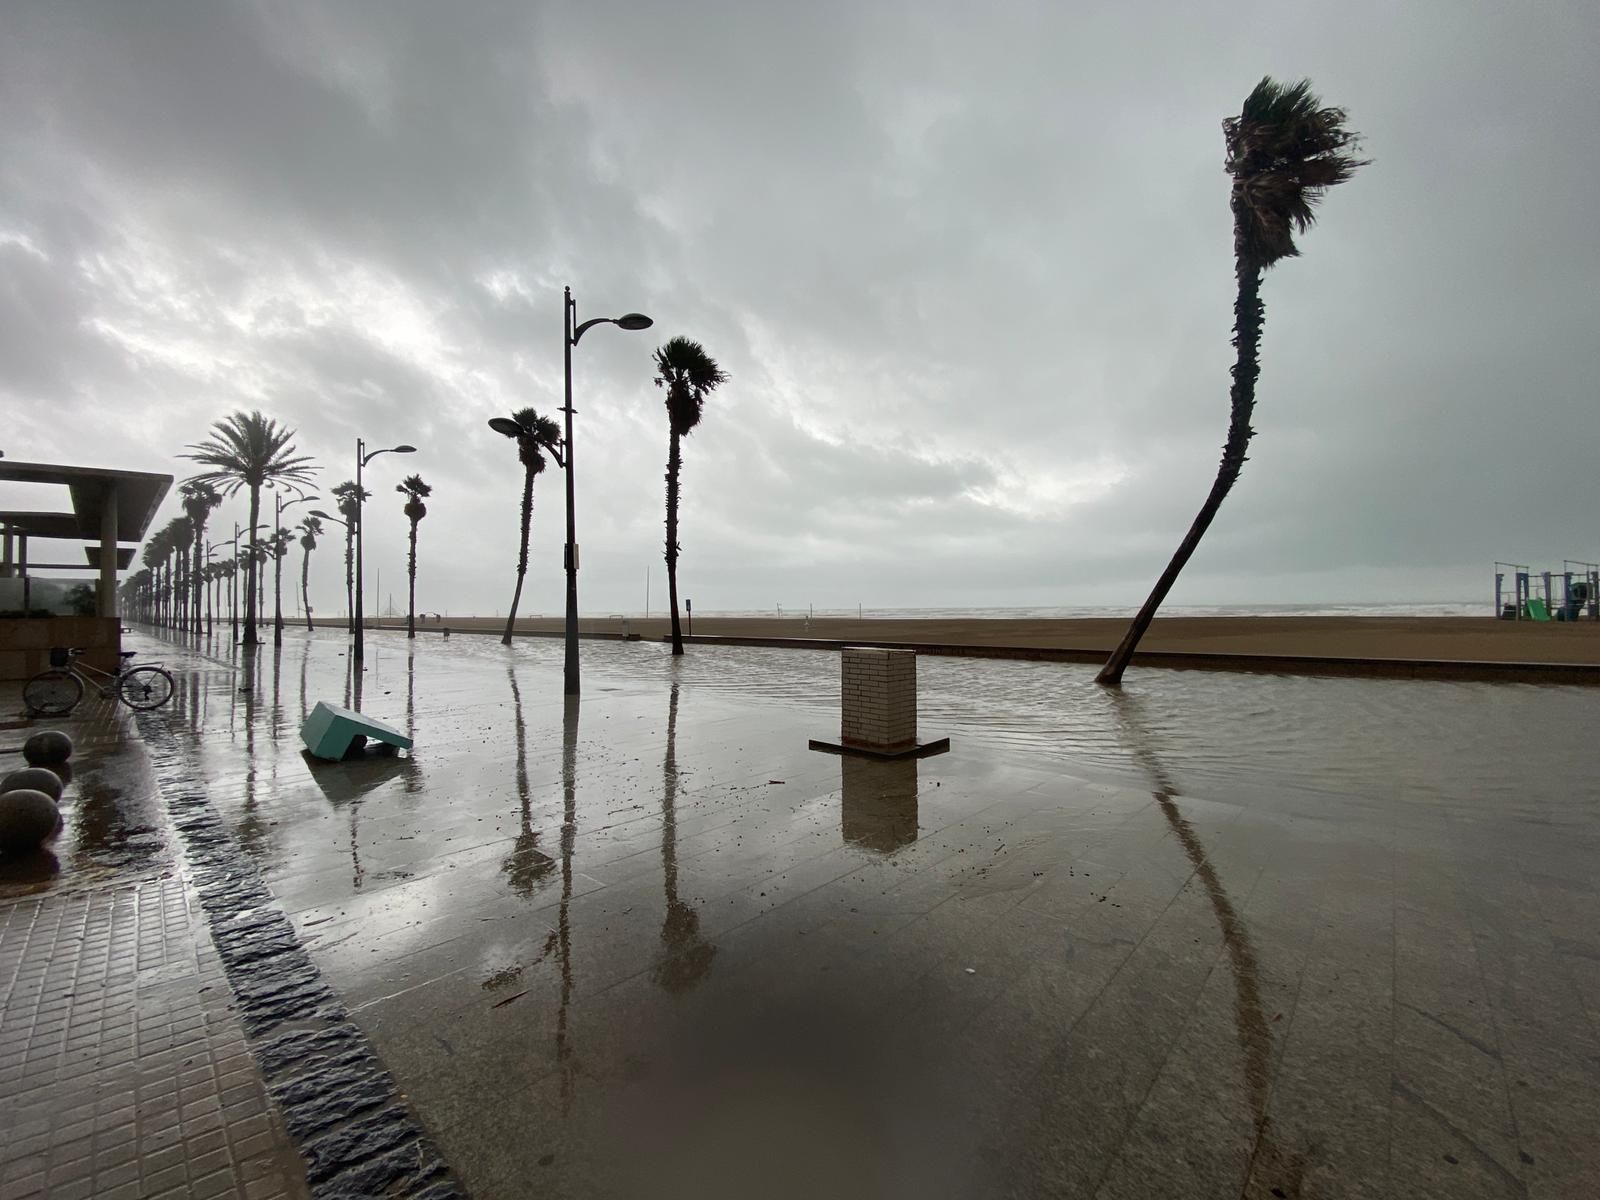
x: 1405, y: 639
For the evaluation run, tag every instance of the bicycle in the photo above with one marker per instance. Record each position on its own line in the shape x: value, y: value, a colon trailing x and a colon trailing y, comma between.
x: 56, y: 692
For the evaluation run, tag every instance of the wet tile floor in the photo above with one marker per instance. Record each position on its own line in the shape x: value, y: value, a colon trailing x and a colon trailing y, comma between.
x: 123, y: 1070
x: 648, y: 943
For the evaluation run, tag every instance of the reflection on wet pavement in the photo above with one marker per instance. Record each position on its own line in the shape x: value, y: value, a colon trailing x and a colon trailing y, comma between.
x: 878, y: 802
x: 646, y: 941
x: 111, y: 820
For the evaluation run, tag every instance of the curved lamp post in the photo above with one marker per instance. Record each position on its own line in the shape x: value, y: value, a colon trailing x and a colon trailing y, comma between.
x: 363, y: 457
x: 571, y: 332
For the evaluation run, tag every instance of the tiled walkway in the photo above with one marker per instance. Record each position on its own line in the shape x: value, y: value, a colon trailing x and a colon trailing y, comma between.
x: 122, y: 1071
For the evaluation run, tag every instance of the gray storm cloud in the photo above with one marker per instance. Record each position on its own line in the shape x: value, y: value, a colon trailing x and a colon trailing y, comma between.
x: 970, y: 278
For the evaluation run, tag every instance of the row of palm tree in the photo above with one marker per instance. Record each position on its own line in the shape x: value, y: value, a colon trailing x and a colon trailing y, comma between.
x: 247, y: 452
x: 1285, y: 149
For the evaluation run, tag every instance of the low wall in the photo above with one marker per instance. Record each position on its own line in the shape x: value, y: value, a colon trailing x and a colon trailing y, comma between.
x: 25, y: 642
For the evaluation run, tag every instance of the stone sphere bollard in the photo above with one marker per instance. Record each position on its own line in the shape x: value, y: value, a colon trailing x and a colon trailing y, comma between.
x: 46, y: 747
x: 27, y: 819
x: 34, y: 779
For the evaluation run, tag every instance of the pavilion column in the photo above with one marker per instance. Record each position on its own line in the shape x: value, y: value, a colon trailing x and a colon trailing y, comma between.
x: 108, y: 554
x: 7, y: 567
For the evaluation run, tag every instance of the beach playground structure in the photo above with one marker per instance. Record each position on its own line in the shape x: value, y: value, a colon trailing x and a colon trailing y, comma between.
x: 1570, y: 594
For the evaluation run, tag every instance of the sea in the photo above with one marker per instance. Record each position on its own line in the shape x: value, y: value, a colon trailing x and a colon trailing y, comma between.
x: 1458, y: 608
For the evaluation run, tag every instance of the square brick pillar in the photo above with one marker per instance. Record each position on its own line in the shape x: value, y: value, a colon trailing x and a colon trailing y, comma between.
x: 878, y: 699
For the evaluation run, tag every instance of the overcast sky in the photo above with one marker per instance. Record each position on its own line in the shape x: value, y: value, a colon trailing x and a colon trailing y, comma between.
x: 969, y: 273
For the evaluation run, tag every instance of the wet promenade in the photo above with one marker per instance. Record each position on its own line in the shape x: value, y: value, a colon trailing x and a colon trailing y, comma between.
x: 1216, y: 936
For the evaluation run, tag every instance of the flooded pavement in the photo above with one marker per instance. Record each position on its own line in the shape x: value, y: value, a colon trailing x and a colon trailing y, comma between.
x: 1213, y: 935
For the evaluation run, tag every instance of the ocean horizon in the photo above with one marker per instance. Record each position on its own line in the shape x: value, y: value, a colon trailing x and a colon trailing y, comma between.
x: 1453, y: 608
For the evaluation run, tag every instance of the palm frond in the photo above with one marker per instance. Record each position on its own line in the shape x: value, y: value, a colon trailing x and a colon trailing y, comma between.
x: 248, y: 450
x: 1285, y: 149
x: 689, y: 375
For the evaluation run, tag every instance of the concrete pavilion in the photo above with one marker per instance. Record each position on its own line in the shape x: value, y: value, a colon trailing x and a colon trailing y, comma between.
x: 109, y: 508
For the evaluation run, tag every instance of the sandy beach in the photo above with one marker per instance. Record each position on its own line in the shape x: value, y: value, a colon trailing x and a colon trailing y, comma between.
x: 1403, y: 639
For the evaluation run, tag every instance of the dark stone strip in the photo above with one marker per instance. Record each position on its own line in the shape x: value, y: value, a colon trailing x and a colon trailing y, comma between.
x: 341, y: 1108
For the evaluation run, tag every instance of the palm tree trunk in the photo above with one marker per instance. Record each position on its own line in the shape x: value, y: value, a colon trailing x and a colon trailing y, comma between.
x: 305, y: 583
x: 250, y: 638
x: 349, y: 579
x: 411, y: 600
x: 196, y: 570
x: 277, y: 592
x: 522, y: 557
x: 1247, y: 318
x: 674, y: 465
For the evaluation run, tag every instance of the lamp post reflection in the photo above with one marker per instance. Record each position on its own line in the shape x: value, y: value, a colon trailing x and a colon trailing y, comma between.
x: 569, y: 837
x: 527, y: 867
x: 687, y: 956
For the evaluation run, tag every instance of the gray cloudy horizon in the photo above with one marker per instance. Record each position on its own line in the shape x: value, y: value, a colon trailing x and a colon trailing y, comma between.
x: 969, y: 273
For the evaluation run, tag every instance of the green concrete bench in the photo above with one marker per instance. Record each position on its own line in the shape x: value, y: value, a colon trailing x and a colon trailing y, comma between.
x: 333, y: 733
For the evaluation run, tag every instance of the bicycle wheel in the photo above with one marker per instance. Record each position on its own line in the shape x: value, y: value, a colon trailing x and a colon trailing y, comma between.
x: 145, y: 687
x: 52, y: 693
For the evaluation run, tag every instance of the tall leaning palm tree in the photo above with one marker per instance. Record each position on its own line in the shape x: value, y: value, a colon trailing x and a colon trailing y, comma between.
x: 349, y: 502
x: 200, y: 500
x: 535, y: 436
x: 310, y: 527
x: 689, y: 374
x: 248, y: 451
x: 415, y: 492
x: 1285, y: 149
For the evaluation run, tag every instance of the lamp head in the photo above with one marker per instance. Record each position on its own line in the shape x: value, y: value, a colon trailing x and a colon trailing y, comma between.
x: 634, y: 321
x: 506, y: 426
x: 317, y: 512
x: 405, y: 449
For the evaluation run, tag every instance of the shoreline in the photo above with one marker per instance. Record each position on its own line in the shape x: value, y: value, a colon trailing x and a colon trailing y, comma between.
x: 1413, y: 647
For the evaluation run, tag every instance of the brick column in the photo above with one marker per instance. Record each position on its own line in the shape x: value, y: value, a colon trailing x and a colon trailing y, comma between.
x: 878, y: 699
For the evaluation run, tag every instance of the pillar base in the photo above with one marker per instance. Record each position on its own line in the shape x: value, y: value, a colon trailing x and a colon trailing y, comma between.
x: 918, y: 750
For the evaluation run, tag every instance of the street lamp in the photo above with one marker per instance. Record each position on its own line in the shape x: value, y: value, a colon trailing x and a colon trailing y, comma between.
x: 570, y: 333
x: 277, y: 556
x: 363, y: 457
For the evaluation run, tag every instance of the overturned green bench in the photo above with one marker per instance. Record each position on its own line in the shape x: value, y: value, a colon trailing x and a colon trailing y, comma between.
x: 336, y: 733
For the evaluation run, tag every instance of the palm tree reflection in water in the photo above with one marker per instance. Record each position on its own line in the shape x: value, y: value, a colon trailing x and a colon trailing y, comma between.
x: 687, y: 957
x: 1268, y: 1162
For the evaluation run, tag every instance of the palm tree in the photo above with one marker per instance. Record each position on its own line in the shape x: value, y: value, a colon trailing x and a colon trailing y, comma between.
x: 199, y: 501
x: 181, y: 530
x: 1284, y: 151
x: 309, y: 528
x: 248, y: 450
x: 151, y: 555
x: 346, y: 496
x: 535, y: 436
x: 689, y: 374
x: 415, y: 510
